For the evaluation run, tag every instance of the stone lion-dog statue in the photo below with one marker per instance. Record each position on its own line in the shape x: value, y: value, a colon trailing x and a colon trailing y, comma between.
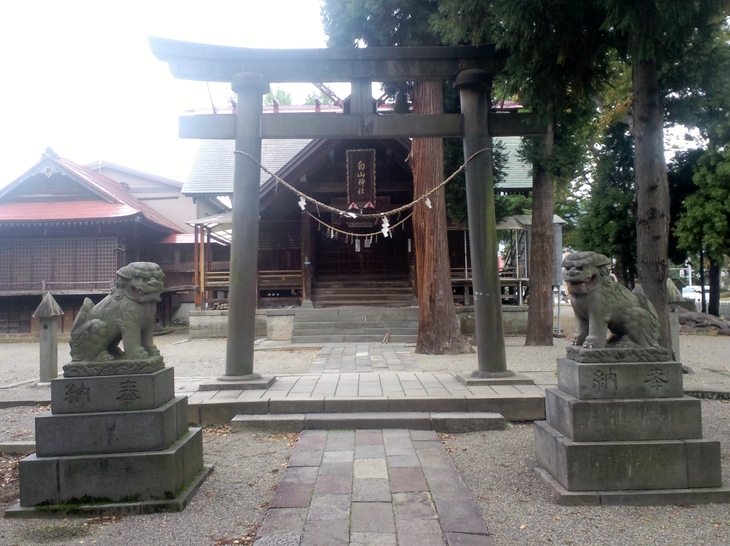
x: 127, y: 314
x: 602, y: 304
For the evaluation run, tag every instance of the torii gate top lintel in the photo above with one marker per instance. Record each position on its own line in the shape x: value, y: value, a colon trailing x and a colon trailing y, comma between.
x: 215, y: 63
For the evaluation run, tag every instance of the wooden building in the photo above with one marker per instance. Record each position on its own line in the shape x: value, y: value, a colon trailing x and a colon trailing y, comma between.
x: 311, y: 255
x: 66, y: 229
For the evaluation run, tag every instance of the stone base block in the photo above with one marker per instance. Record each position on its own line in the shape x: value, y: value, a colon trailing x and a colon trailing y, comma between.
x: 479, y: 378
x: 623, y: 419
x: 255, y: 383
x: 592, y: 381
x: 654, y: 497
x: 111, y: 431
x: 114, y: 367
x: 112, y: 392
x: 618, y: 466
x: 112, y: 478
x: 177, y: 504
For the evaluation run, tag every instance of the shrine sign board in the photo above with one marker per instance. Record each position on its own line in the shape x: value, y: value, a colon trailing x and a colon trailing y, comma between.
x: 361, y: 179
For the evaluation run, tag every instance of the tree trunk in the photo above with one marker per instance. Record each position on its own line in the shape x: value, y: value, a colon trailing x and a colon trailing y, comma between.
x: 438, y: 328
x: 703, y: 299
x: 713, y: 307
x: 652, y: 193
x: 540, y: 309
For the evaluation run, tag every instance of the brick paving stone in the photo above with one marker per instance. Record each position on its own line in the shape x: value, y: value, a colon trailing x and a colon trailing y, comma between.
x: 370, y: 468
x: 327, y: 507
x: 401, y: 461
x: 369, y: 452
x: 372, y: 517
x: 292, y: 495
x: 399, y: 446
x: 371, y: 490
x: 278, y: 540
x: 306, y: 457
x: 368, y: 437
x: 338, y: 456
x: 423, y: 435
x: 332, y: 484
x: 460, y: 516
x: 326, y: 533
x: 283, y: 520
x: 372, y: 539
x: 301, y: 474
x: 415, y: 505
x: 420, y: 532
x: 407, y: 479
x: 312, y: 439
x: 343, y: 470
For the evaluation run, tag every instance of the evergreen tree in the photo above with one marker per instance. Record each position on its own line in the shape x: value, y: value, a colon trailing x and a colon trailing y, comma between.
x: 552, y: 68
x: 609, y: 223
x: 379, y: 23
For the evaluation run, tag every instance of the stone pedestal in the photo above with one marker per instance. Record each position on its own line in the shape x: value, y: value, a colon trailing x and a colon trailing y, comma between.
x: 112, y: 444
x: 624, y: 433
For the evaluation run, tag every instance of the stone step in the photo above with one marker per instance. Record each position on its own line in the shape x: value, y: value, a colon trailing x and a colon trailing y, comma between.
x: 358, y: 330
x: 345, y: 324
x: 353, y: 338
x: 449, y: 422
x: 331, y: 315
x: 221, y: 411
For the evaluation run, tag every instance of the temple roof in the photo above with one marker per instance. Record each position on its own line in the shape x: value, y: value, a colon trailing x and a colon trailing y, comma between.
x: 57, y: 190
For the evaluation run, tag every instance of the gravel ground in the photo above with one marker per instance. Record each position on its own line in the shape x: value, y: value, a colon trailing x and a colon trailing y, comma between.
x: 229, y: 505
x: 519, y: 510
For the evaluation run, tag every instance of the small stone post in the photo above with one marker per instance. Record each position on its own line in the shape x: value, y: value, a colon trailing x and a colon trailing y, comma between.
x: 47, y: 312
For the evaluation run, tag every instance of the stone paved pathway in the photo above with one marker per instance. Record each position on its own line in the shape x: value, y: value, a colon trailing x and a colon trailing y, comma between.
x: 372, y: 487
x: 363, y: 358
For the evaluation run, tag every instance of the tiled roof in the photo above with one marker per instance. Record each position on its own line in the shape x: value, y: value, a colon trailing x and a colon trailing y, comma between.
x: 212, y: 170
x: 64, y: 211
x: 117, y: 202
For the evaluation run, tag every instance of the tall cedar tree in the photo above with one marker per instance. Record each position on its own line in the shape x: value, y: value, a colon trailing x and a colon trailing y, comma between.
x: 653, y: 34
x: 551, y: 68
x: 379, y: 23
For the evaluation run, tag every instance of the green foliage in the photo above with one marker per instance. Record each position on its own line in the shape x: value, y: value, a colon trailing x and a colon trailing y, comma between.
x: 456, y: 189
x: 659, y: 30
x: 609, y: 223
x: 323, y: 99
x: 280, y: 95
x: 705, y: 224
x: 378, y: 23
x: 680, y: 173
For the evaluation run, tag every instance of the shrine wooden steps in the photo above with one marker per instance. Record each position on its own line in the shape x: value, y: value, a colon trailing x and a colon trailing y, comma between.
x: 356, y: 325
x: 362, y: 291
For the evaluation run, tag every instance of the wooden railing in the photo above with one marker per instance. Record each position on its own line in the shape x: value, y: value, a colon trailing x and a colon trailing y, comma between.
x: 283, y: 278
x: 268, y: 279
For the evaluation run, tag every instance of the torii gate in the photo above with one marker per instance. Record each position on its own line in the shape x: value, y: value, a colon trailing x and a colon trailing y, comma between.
x: 250, y: 71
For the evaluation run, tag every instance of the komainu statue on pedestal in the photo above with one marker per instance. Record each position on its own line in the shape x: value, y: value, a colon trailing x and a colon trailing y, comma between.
x: 602, y: 304
x: 127, y: 314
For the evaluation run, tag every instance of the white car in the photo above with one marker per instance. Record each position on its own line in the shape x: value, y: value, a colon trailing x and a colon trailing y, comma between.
x: 695, y: 293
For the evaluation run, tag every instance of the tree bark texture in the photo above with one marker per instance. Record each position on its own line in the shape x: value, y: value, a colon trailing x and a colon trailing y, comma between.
x: 438, y: 328
x: 540, y: 308
x: 652, y: 193
x: 713, y: 306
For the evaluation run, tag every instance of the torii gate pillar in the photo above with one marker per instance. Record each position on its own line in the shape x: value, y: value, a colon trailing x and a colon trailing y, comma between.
x: 249, y: 88
x: 475, y: 88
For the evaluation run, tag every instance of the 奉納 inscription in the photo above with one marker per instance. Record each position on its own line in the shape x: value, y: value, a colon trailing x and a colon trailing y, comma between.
x: 603, y: 380
x: 76, y: 392
x: 128, y: 392
x: 656, y: 378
